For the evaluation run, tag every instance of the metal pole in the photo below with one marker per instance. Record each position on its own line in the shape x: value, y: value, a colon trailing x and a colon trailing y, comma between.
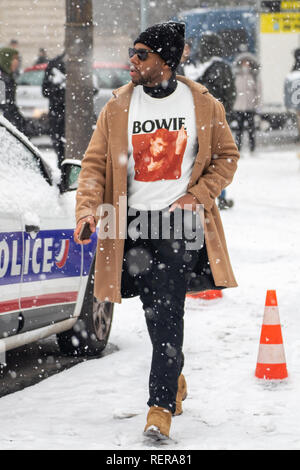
x: 257, y: 42
x: 144, y: 14
x: 79, y: 79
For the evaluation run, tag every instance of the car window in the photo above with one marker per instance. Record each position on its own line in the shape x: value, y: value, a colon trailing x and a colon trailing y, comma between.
x: 32, y: 77
x: 112, y: 77
x: 72, y: 175
x: 23, y: 187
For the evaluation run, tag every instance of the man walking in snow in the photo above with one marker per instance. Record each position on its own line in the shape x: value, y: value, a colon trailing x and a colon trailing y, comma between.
x: 157, y: 268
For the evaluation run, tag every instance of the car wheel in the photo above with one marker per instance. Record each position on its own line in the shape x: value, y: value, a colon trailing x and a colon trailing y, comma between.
x: 90, y: 334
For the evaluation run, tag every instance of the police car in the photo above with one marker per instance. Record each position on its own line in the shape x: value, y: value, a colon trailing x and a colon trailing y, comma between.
x: 46, y: 280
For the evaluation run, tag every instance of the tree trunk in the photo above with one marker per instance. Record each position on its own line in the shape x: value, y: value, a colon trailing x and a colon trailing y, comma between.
x: 79, y: 81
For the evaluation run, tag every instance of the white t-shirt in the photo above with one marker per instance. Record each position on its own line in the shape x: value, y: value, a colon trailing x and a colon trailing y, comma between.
x: 162, y: 141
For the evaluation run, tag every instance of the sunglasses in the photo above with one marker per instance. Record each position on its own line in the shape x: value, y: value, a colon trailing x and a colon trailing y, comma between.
x: 141, y: 53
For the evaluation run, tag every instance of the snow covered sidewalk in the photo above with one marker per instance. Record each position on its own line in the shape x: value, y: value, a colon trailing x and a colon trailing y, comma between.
x: 101, y: 404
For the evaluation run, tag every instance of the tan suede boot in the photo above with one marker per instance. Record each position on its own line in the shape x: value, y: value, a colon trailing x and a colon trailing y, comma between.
x: 181, y: 394
x: 158, y: 423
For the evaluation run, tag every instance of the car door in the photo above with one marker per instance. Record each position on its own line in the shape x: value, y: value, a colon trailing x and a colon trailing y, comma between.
x: 51, y: 263
x: 11, y: 245
x: 52, y: 270
x: 11, y: 254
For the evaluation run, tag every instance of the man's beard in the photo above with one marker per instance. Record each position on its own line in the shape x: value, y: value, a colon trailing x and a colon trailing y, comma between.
x: 142, y: 81
x: 147, y: 80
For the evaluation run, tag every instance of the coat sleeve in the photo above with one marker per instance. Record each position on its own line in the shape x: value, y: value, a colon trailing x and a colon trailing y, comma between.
x: 12, y: 113
x: 220, y: 82
x: 223, y: 162
x: 91, y: 182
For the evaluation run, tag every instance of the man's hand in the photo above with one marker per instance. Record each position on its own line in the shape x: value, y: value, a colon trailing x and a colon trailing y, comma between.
x: 187, y: 200
x: 181, y: 141
x: 154, y: 165
x: 91, y: 221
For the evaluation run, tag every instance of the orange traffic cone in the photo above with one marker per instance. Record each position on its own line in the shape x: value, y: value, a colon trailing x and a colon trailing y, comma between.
x: 271, y: 363
x: 206, y: 295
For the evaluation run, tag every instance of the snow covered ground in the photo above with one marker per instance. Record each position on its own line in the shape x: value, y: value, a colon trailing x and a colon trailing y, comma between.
x: 101, y: 404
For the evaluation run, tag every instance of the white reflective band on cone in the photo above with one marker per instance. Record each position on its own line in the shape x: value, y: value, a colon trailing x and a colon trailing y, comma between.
x: 271, y: 354
x: 271, y: 316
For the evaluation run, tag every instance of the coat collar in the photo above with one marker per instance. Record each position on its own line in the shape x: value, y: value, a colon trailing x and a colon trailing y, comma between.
x: 123, y: 97
x: 125, y: 91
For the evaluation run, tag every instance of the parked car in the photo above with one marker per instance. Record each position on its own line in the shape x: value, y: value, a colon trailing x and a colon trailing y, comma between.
x: 46, y: 280
x: 107, y: 77
x: 30, y: 100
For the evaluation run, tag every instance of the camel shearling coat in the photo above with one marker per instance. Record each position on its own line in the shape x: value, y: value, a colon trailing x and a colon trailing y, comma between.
x: 103, y: 179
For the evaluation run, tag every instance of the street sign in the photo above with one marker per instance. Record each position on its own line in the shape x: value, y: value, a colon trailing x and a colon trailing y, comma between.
x: 280, y: 17
x: 278, y: 37
x: 288, y: 22
x: 290, y: 5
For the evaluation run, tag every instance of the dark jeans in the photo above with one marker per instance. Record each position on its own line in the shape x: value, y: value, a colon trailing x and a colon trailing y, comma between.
x: 161, y: 268
x: 242, y: 118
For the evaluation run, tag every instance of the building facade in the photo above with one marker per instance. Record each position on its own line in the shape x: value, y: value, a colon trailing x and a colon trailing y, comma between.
x: 34, y: 24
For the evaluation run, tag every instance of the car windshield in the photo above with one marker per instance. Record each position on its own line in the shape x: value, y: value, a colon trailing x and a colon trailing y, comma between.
x: 112, y: 77
x: 32, y: 77
x: 23, y: 188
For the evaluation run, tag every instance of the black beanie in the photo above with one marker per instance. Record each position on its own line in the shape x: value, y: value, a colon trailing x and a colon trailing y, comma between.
x: 167, y: 40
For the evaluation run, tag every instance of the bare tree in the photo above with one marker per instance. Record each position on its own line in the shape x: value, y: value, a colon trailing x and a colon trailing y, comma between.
x: 79, y: 81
